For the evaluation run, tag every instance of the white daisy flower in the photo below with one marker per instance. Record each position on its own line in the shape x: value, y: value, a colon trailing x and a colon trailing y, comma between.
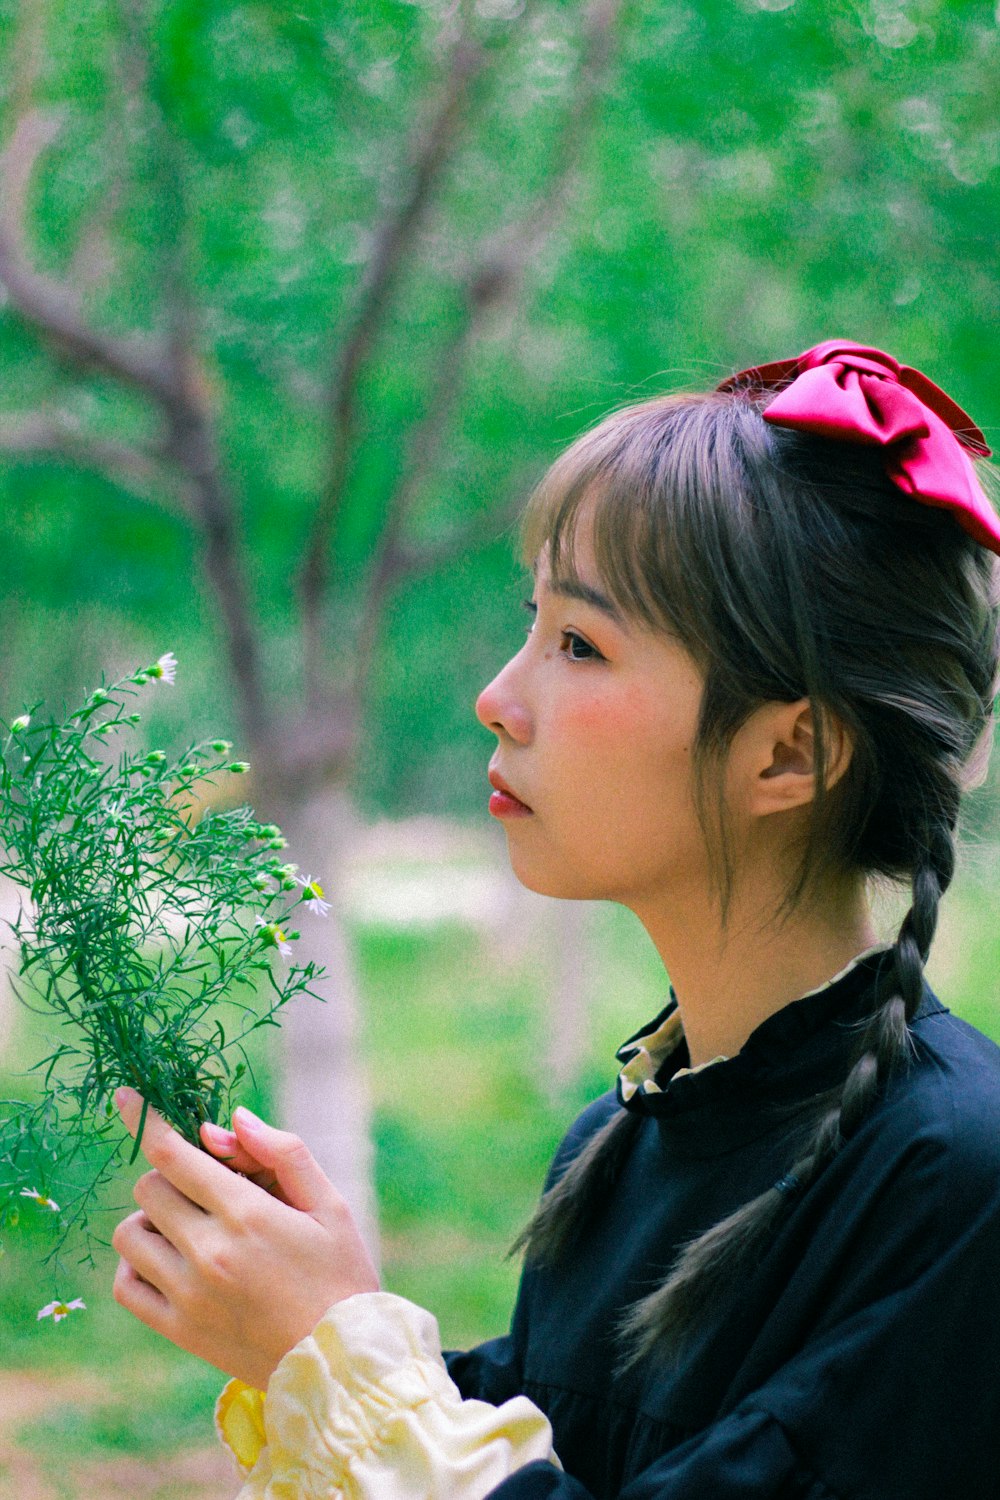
x: 59, y: 1310
x: 165, y: 669
x: 313, y: 895
x: 40, y: 1199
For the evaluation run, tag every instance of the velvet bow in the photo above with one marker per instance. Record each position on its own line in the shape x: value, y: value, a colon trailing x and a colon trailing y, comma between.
x: 846, y: 391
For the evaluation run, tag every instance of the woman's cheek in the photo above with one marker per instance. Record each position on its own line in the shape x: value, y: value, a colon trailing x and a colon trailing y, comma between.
x: 596, y: 717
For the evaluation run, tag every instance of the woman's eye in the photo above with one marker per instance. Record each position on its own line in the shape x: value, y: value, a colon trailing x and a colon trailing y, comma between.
x: 577, y: 649
x: 573, y: 646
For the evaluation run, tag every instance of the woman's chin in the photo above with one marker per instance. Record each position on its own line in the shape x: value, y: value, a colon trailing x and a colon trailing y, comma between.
x: 563, y: 885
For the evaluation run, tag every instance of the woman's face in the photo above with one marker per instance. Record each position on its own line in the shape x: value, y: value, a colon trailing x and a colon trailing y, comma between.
x: 595, y: 718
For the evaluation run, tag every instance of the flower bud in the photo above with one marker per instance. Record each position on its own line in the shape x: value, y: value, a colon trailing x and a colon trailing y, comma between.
x: 271, y: 935
x: 238, y: 767
x: 221, y: 746
x: 99, y: 696
x: 156, y: 757
x: 20, y: 723
x: 278, y: 843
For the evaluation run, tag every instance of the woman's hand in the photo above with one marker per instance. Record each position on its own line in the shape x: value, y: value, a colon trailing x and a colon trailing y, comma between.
x: 230, y: 1150
x: 235, y: 1270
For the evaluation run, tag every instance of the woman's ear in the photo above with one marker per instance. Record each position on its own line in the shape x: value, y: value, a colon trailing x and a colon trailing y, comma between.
x: 778, y: 756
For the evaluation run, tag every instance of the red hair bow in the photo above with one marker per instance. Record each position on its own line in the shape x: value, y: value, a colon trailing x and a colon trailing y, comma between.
x: 843, y: 390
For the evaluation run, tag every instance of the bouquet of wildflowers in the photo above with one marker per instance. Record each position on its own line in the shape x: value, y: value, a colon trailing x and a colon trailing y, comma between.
x: 147, y: 934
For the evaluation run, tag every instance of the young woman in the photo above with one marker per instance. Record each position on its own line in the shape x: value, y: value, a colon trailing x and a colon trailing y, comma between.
x: 760, y: 675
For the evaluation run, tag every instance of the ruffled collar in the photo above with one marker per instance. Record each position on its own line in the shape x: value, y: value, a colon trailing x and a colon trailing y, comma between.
x: 655, y: 1072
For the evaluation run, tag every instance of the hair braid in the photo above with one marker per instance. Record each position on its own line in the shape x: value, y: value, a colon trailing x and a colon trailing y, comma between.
x: 574, y: 1196
x: 709, y: 1264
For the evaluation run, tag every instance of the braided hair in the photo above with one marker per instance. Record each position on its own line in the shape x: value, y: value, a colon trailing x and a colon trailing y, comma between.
x: 789, y: 567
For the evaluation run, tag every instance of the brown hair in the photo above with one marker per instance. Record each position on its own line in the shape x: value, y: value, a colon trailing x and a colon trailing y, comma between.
x: 789, y: 567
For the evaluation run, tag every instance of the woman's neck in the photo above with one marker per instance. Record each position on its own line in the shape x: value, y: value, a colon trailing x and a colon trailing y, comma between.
x: 727, y: 983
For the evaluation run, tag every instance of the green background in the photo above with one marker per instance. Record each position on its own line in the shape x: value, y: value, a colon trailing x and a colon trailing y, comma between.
x: 758, y: 175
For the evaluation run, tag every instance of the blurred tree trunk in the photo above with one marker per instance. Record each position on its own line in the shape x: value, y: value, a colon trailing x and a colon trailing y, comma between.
x: 570, y: 991
x: 324, y: 1086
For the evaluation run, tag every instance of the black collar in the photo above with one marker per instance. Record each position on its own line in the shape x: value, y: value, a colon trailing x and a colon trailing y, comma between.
x: 802, y: 1050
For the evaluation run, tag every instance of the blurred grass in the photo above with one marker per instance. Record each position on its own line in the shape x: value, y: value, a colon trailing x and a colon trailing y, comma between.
x: 465, y: 1124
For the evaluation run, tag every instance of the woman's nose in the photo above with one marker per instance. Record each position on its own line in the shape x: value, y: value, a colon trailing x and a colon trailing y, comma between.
x: 501, y: 707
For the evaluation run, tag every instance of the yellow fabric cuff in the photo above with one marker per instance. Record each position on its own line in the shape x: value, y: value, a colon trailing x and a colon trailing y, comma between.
x: 239, y: 1421
x: 363, y: 1408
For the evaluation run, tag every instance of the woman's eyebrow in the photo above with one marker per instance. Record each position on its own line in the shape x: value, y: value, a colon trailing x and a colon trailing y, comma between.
x: 569, y: 588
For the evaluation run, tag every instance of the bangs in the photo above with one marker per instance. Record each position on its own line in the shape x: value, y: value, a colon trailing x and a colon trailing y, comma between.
x: 639, y: 478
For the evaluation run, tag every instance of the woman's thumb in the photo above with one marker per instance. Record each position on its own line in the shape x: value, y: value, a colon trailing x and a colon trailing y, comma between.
x: 303, y: 1183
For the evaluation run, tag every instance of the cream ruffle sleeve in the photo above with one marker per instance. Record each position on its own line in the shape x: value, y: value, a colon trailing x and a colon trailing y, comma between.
x: 365, y: 1408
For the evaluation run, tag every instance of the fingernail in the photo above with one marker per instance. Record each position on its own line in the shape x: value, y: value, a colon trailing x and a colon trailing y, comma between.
x: 123, y: 1096
x: 248, y: 1119
x: 218, y: 1134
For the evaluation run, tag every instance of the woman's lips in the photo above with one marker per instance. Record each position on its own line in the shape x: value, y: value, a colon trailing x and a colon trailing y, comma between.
x: 503, y: 802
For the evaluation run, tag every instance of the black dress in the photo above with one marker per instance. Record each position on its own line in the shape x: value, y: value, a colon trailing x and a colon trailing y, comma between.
x: 860, y: 1357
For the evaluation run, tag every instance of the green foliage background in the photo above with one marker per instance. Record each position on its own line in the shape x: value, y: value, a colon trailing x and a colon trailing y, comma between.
x: 761, y: 174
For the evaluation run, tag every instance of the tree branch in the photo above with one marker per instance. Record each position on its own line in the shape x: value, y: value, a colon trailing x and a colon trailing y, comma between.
x: 493, y: 276
x: 43, y: 435
x: 51, y: 307
x: 430, y: 156
x: 192, y: 439
x: 595, y: 61
x: 28, y: 53
x: 416, y: 558
x: 167, y: 372
x: 491, y: 280
x: 425, y: 441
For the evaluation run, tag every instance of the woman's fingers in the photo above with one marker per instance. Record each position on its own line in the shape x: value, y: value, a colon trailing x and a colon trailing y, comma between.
x: 225, y: 1146
x: 176, y: 1217
x: 196, y: 1175
x: 148, y: 1252
x: 139, y: 1297
x: 299, y: 1179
